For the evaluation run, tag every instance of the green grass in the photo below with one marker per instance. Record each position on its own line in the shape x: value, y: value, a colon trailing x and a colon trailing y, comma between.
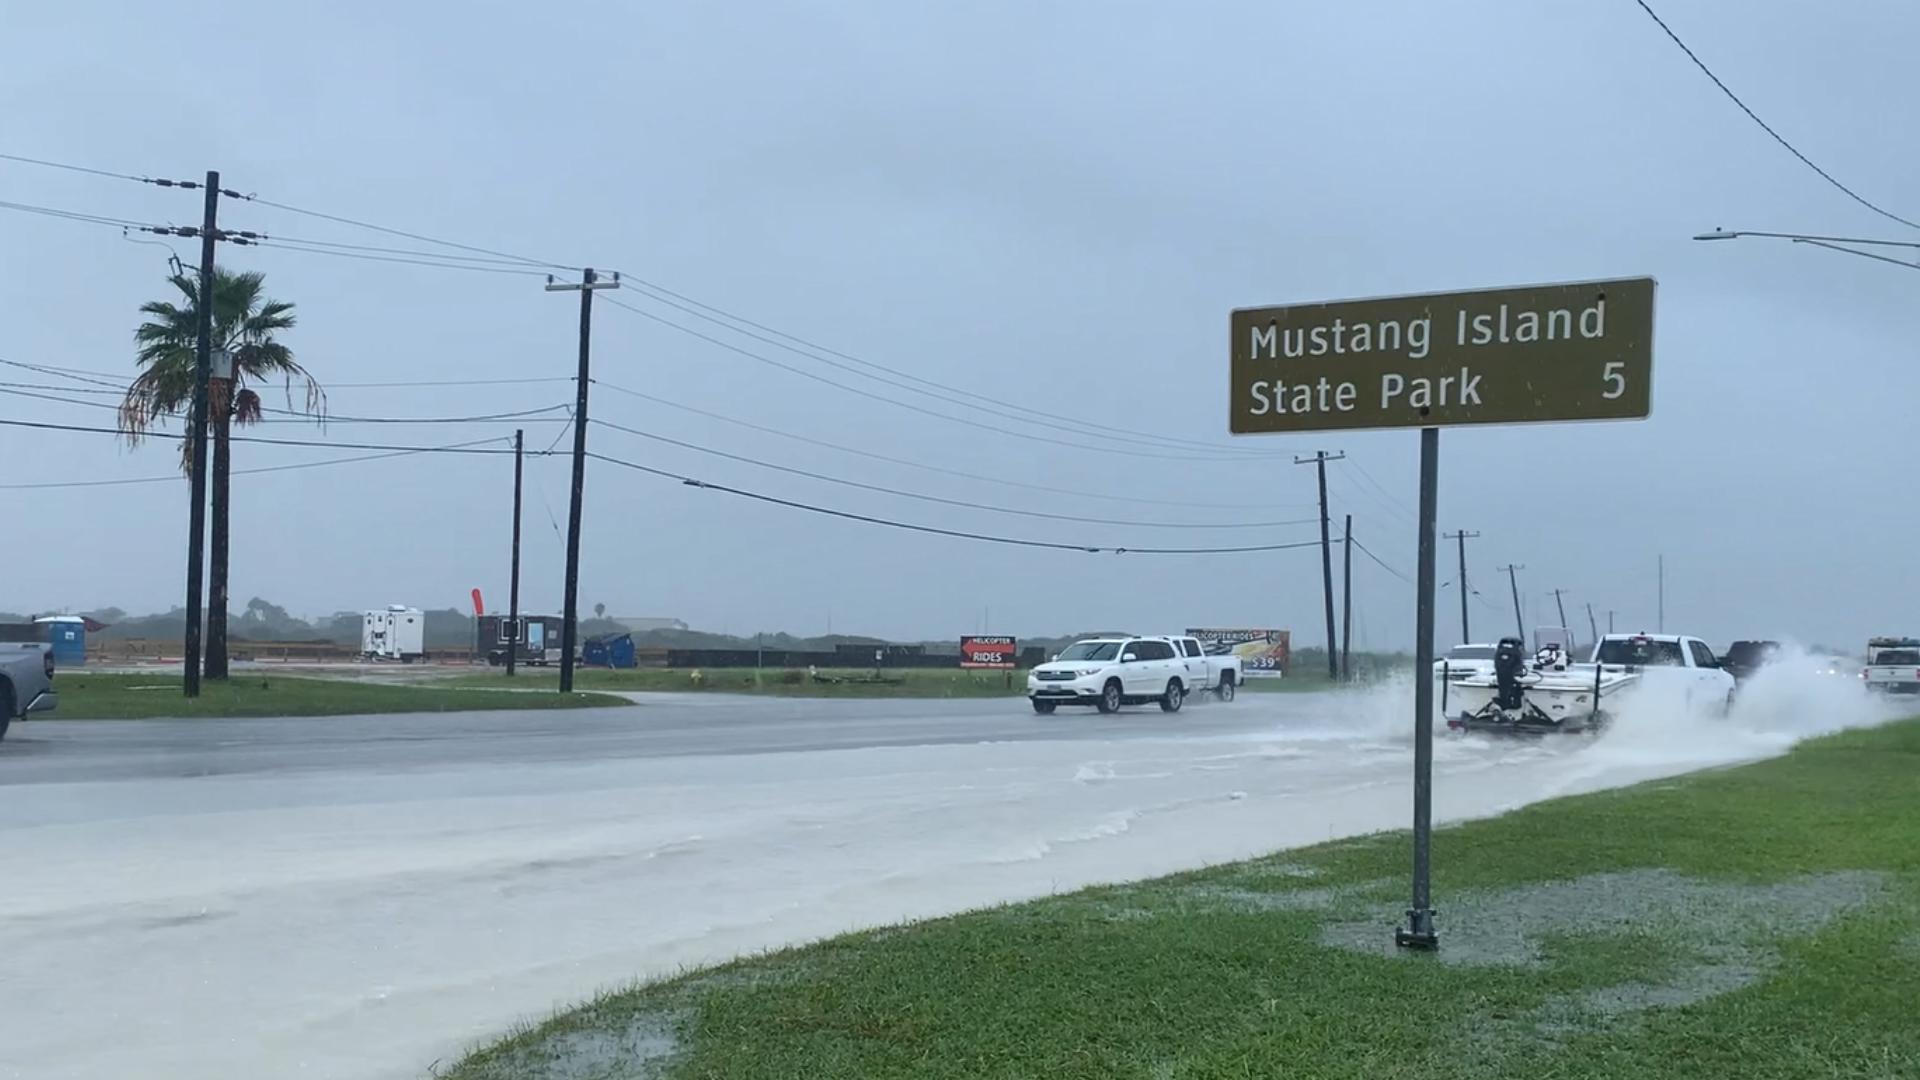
x: 141, y: 697
x: 1228, y: 972
x: 911, y: 682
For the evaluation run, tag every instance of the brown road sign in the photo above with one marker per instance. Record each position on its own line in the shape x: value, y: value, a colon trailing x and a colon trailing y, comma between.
x: 1533, y: 354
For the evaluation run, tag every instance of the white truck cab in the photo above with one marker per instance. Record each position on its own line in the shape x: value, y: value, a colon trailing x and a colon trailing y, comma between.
x: 1669, y: 660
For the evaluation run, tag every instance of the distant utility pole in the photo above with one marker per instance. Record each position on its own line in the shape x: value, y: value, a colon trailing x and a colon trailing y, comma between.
x: 1513, y: 580
x: 1609, y: 620
x: 513, y: 587
x: 1593, y: 627
x: 1346, y: 608
x: 1320, y: 458
x: 1561, y: 606
x: 1661, y: 625
x: 1466, y: 634
x: 569, y: 633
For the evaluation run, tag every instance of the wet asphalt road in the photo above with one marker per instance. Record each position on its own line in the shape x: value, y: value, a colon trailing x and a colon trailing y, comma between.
x: 661, y: 725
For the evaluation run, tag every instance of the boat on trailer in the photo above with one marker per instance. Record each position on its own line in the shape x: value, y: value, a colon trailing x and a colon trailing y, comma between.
x: 1542, y: 694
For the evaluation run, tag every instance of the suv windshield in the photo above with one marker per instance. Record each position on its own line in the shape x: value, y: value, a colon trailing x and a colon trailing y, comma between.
x: 1898, y: 656
x: 1091, y: 650
x: 1641, y: 652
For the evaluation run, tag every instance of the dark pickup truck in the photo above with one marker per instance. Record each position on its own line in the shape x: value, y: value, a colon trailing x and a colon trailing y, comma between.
x: 1744, y: 659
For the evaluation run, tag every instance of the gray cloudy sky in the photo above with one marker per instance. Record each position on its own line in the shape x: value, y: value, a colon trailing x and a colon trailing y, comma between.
x: 1055, y: 205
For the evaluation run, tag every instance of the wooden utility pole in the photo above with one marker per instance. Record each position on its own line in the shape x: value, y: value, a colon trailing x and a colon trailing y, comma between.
x: 1346, y: 608
x: 1513, y: 580
x: 570, y: 608
x: 514, y: 635
x: 202, y: 372
x: 1466, y: 632
x: 1320, y: 459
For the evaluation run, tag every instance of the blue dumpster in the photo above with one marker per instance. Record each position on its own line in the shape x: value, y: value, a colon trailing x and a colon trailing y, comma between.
x: 613, y: 651
x: 68, y: 636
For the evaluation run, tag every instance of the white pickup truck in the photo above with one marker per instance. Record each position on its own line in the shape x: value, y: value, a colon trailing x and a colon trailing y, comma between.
x: 1107, y: 673
x: 1893, y: 665
x: 26, y: 681
x: 1549, y: 693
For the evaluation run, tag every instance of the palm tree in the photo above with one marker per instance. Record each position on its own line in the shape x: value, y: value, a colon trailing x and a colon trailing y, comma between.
x: 244, y: 325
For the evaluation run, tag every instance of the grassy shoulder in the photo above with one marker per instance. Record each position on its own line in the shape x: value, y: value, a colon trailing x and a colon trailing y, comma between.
x: 140, y: 697
x: 1761, y: 922
x: 835, y: 683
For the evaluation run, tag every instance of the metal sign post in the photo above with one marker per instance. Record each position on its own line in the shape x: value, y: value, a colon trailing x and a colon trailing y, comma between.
x: 1532, y: 354
x: 1419, y: 932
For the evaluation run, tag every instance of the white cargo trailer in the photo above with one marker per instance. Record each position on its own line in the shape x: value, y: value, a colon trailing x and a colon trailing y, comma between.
x: 397, y: 633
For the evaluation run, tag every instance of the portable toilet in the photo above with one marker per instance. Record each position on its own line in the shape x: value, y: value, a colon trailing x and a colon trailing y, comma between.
x: 68, y: 636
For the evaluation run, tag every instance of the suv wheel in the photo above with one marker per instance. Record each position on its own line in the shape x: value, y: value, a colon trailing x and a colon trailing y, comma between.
x: 1175, y: 696
x: 1044, y: 707
x: 1110, y: 699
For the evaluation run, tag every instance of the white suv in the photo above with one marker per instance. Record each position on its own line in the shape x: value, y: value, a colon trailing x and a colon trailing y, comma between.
x: 1107, y: 673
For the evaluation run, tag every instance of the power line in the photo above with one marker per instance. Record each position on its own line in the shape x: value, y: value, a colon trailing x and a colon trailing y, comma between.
x: 1764, y: 126
x: 956, y: 533
x: 77, y: 215
x: 876, y: 456
x: 823, y: 477
x: 75, y: 168
x: 106, y: 379
x: 421, y: 237
x: 816, y: 377
x: 41, y: 425
x: 518, y: 264
x: 283, y: 245
x: 945, y: 392
x: 241, y: 472
x: 1381, y: 563
x: 448, y: 382
x: 296, y: 416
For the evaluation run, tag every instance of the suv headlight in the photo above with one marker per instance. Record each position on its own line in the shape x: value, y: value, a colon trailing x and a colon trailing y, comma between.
x: 1081, y: 673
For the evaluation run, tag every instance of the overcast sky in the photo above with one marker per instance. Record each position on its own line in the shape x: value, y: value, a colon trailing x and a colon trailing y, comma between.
x: 1051, y: 205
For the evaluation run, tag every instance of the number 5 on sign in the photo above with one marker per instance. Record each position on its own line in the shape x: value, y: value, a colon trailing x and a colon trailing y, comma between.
x: 1616, y: 382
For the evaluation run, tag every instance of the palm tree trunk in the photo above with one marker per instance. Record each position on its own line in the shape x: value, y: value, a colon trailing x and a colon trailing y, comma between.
x: 216, y: 662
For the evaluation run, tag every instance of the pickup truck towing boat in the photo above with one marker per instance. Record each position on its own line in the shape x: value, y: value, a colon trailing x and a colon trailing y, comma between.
x: 1549, y: 694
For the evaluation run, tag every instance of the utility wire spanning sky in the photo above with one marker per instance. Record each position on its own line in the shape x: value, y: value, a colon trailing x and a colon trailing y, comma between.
x: 982, y: 255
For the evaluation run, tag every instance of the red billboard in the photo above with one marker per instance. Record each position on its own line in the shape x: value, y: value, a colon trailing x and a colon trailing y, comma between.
x: 987, y: 652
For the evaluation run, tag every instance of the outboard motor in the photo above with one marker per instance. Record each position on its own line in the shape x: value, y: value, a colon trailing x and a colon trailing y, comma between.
x: 1509, y: 663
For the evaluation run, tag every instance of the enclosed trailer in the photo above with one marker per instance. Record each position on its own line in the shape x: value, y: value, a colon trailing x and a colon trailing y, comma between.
x: 396, y: 633
x: 535, y: 641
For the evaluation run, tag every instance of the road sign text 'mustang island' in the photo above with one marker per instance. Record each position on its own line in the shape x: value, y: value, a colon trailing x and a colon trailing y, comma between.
x: 1581, y: 351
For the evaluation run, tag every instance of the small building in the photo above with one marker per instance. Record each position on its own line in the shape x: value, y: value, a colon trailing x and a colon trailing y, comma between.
x: 68, y: 636
x: 610, y: 651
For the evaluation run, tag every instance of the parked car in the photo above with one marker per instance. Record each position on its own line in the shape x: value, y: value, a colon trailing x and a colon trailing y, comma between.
x: 1107, y: 673
x: 26, y: 682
